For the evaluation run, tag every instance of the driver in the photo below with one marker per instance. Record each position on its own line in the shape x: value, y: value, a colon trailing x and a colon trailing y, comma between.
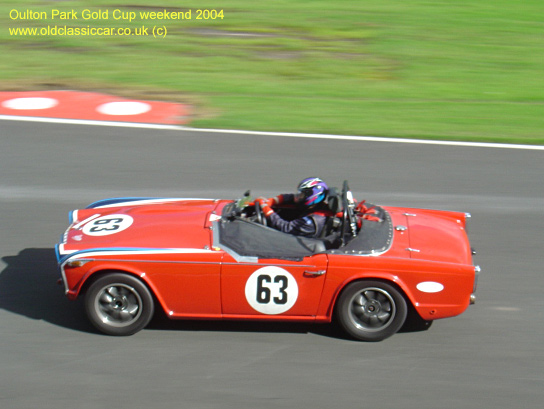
x: 311, y: 209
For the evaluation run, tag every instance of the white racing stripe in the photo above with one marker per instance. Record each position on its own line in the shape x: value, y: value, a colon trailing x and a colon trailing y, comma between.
x: 277, y: 134
x: 114, y: 252
x: 149, y: 201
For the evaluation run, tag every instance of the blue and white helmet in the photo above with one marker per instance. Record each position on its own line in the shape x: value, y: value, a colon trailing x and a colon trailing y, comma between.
x: 313, y: 191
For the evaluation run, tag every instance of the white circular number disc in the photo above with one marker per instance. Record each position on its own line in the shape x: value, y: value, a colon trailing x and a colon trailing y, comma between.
x: 110, y: 224
x: 271, y: 290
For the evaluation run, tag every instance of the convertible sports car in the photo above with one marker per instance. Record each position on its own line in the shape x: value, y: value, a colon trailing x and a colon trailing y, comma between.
x: 217, y: 259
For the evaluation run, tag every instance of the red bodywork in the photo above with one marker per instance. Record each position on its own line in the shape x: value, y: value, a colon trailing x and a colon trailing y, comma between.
x: 169, y: 245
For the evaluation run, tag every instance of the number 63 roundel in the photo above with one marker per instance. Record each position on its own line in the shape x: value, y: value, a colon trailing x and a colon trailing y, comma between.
x: 271, y: 290
x: 106, y: 225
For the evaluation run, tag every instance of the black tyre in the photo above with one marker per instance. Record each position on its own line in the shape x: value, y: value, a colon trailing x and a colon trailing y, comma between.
x: 119, y: 304
x: 371, y: 310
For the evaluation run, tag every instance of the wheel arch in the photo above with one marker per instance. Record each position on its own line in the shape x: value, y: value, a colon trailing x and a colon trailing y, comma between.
x: 388, y: 278
x: 94, y: 275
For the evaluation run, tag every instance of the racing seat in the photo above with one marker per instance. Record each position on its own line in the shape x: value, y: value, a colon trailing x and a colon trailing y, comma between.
x: 333, y: 200
x: 330, y: 234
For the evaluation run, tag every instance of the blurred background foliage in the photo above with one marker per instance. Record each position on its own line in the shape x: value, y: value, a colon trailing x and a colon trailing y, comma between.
x: 442, y: 69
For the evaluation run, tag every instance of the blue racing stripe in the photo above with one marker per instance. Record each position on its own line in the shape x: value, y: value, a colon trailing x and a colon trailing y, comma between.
x: 114, y: 200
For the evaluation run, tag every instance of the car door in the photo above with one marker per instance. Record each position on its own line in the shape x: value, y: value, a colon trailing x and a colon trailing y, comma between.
x: 272, y: 287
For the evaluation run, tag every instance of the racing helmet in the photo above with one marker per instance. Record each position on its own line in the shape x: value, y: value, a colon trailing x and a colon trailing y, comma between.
x: 313, y: 191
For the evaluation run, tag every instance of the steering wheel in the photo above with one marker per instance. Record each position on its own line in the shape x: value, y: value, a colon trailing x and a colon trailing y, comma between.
x: 349, y: 220
x: 259, y: 215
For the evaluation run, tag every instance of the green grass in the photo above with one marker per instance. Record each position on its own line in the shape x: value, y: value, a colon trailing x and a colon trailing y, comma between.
x: 458, y: 70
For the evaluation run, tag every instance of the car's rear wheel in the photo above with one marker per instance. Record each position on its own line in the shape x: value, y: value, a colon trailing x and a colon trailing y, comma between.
x: 119, y: 304
x: 371, y: 310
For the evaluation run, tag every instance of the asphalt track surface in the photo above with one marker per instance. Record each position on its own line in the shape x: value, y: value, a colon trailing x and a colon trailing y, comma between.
x: 492, y: 356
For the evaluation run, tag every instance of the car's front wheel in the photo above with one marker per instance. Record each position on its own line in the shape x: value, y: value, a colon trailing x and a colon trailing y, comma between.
x: 371, y: 310
x: 119, y: 304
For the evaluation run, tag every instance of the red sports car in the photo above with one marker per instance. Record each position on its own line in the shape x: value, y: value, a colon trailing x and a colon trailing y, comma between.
x: 217, y: 259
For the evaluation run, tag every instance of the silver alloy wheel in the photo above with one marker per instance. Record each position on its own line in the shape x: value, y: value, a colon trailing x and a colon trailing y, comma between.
x: 118, y: 305
x: 372, y: 309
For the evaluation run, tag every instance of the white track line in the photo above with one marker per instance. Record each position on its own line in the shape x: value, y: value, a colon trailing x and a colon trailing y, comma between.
x: 88, y: 122
x: 279, y: 134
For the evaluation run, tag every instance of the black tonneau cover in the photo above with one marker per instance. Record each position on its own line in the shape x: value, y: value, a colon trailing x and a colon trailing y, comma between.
x: 248, y: 239
x: 374, y: 237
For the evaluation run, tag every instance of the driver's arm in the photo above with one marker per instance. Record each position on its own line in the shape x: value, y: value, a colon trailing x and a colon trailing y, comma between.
x: 303, y: 226
x: 267, y: 205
